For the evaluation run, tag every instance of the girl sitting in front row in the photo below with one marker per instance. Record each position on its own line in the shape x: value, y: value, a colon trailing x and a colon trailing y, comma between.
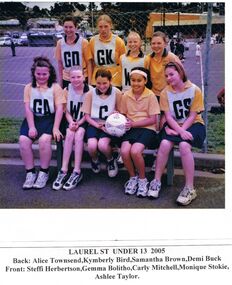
x: 182, y: 103
x: 74, y: 94
x: 44, y: 109
x: 140, y: 106
x: 98, y: 105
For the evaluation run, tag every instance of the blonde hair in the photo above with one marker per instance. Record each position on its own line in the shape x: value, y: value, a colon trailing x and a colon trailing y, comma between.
x: 76, y: 68
x: 105, y: 18
x: 135, y: 34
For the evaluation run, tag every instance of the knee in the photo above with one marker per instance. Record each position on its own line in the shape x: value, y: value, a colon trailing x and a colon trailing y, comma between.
x: 185, y: 148
x: 24, y: 143
x: 165, y: 147
x: 69, y: 135
x: 92, y: 145
x: 125, y: 151
x: 136, y: 152
x: 103, y: 145
x: 79, y: 136
x: 45, y: 142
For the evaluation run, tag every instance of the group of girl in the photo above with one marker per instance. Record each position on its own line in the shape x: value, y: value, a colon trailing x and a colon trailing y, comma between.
x: 101, y: 77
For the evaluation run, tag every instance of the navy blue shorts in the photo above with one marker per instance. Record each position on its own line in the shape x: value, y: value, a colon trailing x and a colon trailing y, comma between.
x: 43, y: 125
x: 93, y: 132
x: 197, y: 130
x: 147, y: 137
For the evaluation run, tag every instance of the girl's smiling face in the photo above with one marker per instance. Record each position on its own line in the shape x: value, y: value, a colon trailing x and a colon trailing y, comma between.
x: 102, y: 84
x: 137, y: 82
x: 158, y: 44
x: 133, y: 43
x: 69, y: 28
x: 76, y: 78
x: 173, y: 77
x: 42, y: 75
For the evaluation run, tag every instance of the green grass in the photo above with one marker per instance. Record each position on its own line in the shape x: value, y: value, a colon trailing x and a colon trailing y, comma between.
x: 216, y: 133
x: 9, y: 132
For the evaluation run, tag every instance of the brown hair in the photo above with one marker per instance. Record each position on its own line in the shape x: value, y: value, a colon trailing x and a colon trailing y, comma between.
x: 103, y: 73
x: 160, y: 34
x: 70, y: 19
x: 179, y: 68
x: 42, y: 61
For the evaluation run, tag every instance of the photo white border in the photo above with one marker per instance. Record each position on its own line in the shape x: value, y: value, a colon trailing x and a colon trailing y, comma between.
x: 126, y: 224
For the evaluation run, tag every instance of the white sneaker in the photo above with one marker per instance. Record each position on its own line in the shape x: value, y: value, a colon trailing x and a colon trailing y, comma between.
x: 142, y: 187
x: 30, y: 180
x: 154, y: 189
x: 41, y: 180
x: 131, y: 185
x: 73, y: 180
x: 186, y: 196
x: 112, y: 168
x: 60, y: 180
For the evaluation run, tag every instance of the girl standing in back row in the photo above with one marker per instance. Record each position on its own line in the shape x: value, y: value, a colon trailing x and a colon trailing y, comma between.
x: 155, y: 63
x: 157, y: 60
x: 133, y: 58
x: 72, y: 50
x: 106, y: 48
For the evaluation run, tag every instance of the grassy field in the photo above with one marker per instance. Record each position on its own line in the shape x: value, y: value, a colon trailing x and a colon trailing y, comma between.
x: 9, y: 132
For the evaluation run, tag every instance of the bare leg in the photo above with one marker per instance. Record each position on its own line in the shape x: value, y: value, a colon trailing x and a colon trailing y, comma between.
x: 79, y: 147
x: 105, y: 148
x: 92, y: 148
x: 45, y: 150
x: 68, y: 146
x: 25, y: 145
x: 162, y: 158
x: 126, y: 157
x: 138, y: 160
x: 187, y: 163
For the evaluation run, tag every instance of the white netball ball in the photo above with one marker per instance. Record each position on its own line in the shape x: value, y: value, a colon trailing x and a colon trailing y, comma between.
x: 116, y: 124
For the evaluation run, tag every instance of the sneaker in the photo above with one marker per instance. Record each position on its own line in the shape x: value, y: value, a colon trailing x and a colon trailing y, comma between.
x: 131, y: 185
x: 41, y: 180
x: 60, y: 180
x: 112, y: 168
x: 95, y: 166
x: 142, y: 187
x: 186, y: 196
x: 30, y: 180
x: 120, y: 161
x: 73, y: 180
x: 154, y: 189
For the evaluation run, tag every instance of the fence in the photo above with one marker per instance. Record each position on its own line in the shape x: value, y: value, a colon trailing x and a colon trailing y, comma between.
x: 186, y: 28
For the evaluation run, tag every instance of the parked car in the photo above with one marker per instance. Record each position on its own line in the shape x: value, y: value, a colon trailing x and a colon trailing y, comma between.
x: 5, y: 41
x: 23, y: 40
x: 15, y: 35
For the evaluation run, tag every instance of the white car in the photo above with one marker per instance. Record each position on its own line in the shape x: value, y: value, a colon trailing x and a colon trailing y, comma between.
x: 5, y: 41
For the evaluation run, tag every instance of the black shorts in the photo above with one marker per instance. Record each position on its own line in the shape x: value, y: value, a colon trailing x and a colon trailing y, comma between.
x: 147, y: 137
x: 43, y: 125
x: 93, y: 132
x: 197, y: 130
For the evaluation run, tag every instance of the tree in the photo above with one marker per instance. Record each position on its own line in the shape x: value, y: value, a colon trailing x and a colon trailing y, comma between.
x: 8, y: 9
